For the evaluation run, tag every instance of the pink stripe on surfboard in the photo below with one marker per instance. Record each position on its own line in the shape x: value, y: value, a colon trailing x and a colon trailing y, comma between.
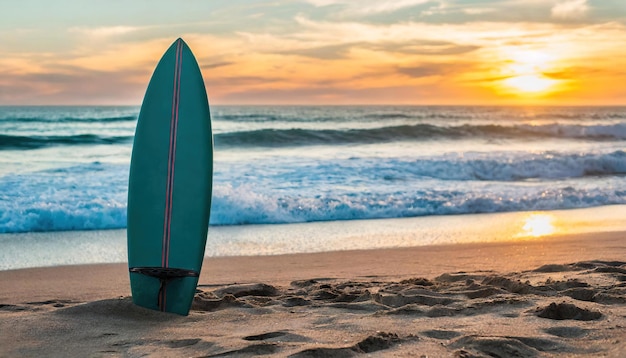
x: 173, y: 144
x: 170, y: 169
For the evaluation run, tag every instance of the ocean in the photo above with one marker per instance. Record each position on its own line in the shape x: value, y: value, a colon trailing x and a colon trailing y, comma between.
x: 66, y: 168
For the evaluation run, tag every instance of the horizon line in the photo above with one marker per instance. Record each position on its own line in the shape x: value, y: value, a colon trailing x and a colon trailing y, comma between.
x: 331, y: 105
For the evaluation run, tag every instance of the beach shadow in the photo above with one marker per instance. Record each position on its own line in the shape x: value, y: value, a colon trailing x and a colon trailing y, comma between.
x: 120, y: 309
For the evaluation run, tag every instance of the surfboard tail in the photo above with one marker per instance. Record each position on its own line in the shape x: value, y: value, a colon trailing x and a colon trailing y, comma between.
x: 165, y: 276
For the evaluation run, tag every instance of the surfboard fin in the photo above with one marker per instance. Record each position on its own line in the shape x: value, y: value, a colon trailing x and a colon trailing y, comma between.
x: 164, y: 275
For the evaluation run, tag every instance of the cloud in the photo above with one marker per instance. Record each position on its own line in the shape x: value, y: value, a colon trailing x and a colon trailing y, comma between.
x: 431, y: 69
x: 67, y: 85
x: 480, y: 34
x: 370, y: 7
x: 330, y: 52
x: 104, y: 31
x: 577, y: 72
x: 342, y: 51
x: 324, y: 95
x: 215, y: 64
x: 570, y: 9
x: 235, y: 81
x: 320, y: 3
x: 479, y: 11
x: 417, y: 47
x: 327, y: 51
x: 422, y: 71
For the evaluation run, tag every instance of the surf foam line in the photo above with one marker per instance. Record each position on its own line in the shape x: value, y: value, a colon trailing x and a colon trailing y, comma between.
x: 100, y: 208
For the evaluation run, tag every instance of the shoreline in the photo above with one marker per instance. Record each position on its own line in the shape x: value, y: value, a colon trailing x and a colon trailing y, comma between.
x: 50, y: 249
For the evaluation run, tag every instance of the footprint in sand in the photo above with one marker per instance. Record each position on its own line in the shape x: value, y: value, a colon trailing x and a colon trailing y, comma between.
x: 371, y: 344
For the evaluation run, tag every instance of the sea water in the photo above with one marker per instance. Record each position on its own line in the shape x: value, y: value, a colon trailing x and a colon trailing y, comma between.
x: 66, y: 168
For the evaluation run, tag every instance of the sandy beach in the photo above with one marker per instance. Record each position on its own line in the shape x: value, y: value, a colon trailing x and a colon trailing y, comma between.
x: 555, y: 296
x: 395, y: 178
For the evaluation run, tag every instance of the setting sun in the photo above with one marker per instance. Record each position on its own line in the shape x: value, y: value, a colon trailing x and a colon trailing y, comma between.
x: 526, y: 72
x: 530, y: 83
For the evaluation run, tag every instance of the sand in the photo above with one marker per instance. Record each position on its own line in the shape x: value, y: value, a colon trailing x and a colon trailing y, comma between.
x: 553, y: 297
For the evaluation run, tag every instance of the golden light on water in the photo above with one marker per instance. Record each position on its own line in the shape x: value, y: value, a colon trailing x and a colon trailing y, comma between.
x: 537, y: 225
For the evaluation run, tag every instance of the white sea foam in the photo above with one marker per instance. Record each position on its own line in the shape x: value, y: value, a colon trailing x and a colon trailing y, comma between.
x: 93, y: 195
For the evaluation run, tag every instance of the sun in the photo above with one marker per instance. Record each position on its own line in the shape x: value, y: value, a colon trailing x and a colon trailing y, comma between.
x: 530, y: 83
x: 525, y: 72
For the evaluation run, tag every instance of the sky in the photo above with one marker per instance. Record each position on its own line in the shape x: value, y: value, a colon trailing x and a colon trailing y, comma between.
x: 415, y: 52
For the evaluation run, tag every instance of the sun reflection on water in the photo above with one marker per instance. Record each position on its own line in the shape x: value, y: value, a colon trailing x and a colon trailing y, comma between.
x: 537, y: 225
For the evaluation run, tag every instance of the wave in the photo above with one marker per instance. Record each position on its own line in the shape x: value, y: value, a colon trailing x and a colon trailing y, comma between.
x: 506, y: 167
x: 83, y: 197
x: 303, y: 137
x: 307, y: 137
x: 468, y: 169
x: 471, y: 167
x: 53, y: 119
x: 247, y: 117
x: 93, y: 196
x: 575, y: 115
x: 324, y: 115
x: 35, y: 142
x: 244, y: 205
x: 369, y: 113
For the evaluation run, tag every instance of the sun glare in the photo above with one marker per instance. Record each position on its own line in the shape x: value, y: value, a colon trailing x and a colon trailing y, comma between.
x: 525, y: 71
x: 530, y: 83
x: 537, y: 225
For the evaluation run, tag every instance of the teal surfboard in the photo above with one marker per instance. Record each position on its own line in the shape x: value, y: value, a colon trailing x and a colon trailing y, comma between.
x: 169, y: 191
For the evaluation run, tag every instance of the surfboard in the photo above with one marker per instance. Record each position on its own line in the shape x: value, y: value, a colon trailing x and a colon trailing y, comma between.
x: 170, y: 182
